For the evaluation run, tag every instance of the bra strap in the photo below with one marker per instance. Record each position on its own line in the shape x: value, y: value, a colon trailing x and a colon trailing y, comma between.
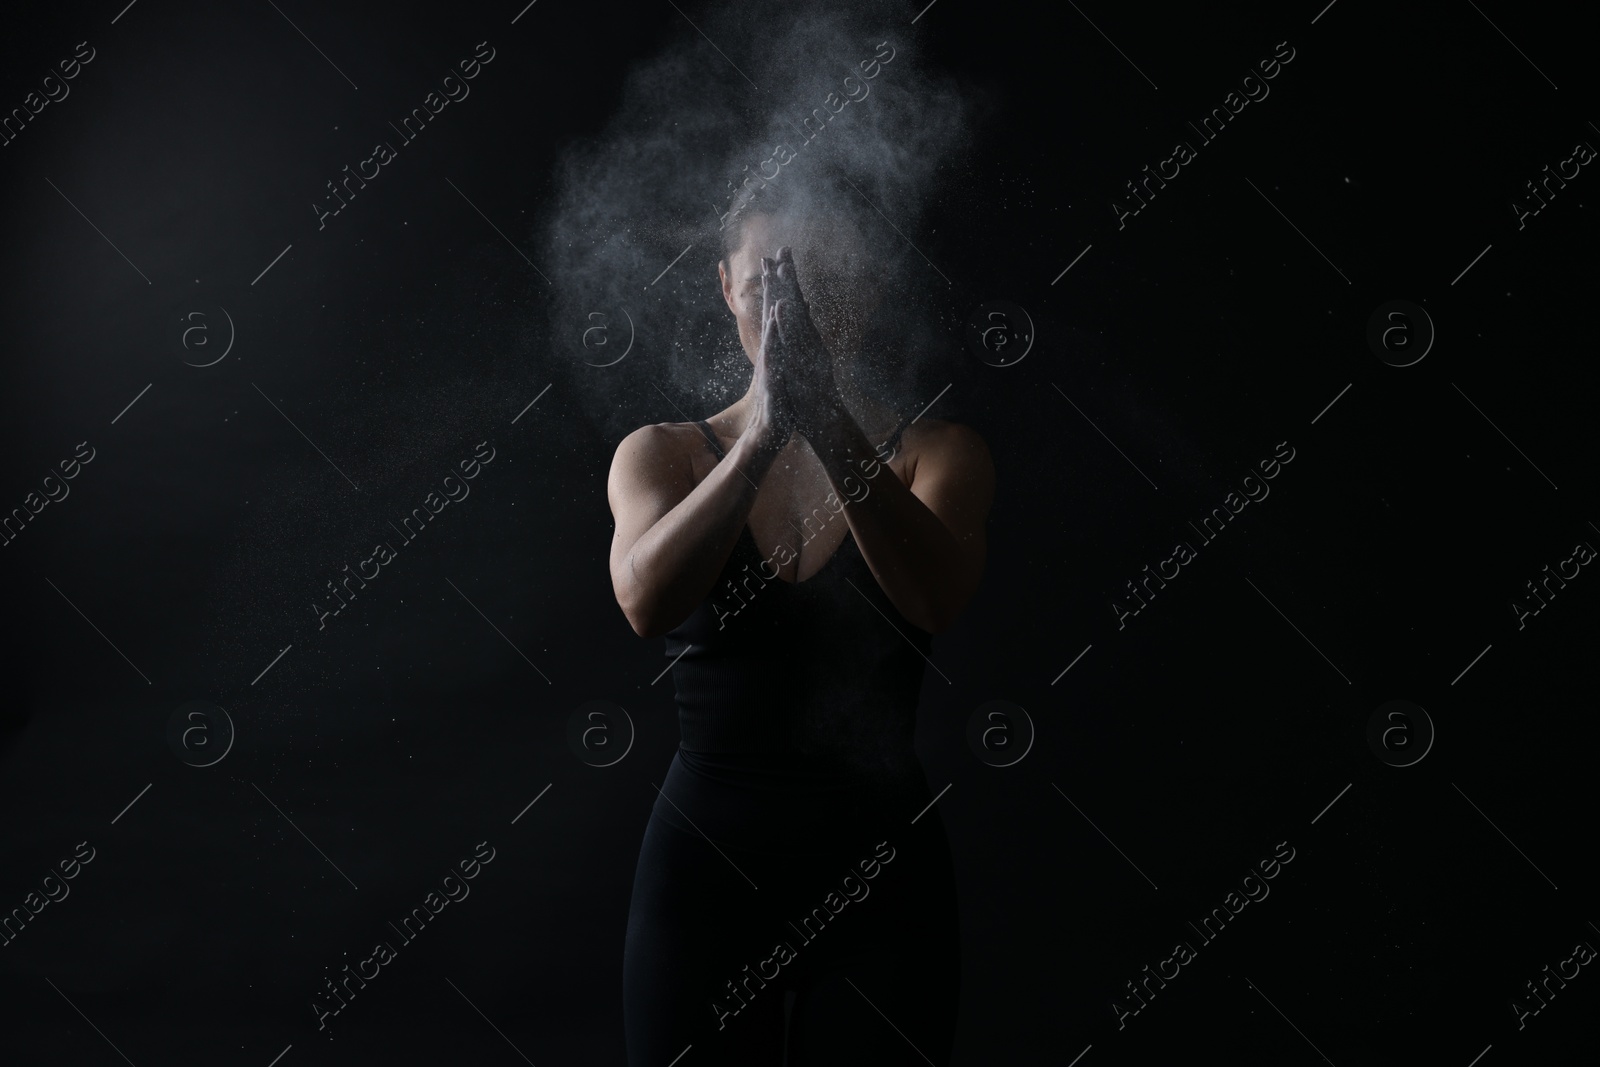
x: 893, y: 443
x: 711, y: 438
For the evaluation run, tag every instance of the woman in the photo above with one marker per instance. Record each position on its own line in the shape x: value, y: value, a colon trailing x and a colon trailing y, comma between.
x: 786, y: 908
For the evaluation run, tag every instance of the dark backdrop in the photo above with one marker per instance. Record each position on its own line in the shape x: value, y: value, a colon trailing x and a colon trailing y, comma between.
x: 1213, y: 727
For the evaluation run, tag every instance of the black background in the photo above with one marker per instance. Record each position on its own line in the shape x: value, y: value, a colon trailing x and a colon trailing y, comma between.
x: 1220, y: 721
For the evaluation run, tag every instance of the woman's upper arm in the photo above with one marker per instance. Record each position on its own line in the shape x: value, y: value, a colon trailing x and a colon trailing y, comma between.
x: 649, y: 477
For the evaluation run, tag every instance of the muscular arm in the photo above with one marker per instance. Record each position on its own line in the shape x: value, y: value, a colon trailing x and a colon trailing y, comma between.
x: 925, y: 544
x: 672, y: 536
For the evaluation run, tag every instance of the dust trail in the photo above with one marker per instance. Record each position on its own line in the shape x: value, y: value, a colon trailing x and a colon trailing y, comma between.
x: 826, y: 113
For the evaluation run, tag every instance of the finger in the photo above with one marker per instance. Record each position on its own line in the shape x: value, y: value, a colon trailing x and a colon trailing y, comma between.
x: 794, y: 323
x: 770, y: 338
x: 783, y: 315
x: 787, y: 273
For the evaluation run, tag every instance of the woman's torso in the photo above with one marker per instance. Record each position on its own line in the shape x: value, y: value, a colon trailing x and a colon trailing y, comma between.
x: 789, y: 682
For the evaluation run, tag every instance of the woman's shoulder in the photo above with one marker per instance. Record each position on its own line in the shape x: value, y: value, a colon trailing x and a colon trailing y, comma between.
x: 657, y: 437
x: 941, y: 435
x: 666, y: 449
x: 943, y: 444
x: 932, y: 429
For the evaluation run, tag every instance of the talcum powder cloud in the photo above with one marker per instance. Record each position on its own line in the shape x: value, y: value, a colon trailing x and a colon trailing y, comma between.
x: 829, y: 106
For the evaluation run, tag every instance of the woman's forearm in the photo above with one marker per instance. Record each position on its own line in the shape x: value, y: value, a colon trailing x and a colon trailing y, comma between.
x: 914, y: 557
x: 675, y: 563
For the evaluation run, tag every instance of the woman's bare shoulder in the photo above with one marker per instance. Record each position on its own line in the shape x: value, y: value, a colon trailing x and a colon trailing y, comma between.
x: 661, y: 450
x: 941, y: 435
x: 940, y: 444
x: 677, y: 438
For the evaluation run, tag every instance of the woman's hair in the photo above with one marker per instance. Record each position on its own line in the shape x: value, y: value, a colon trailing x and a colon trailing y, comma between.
x: 818, y: 196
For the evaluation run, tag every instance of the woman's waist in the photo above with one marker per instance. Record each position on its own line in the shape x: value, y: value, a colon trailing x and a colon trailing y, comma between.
x: 784, y: 801
x: 793, y: 743
x: 795, y: 772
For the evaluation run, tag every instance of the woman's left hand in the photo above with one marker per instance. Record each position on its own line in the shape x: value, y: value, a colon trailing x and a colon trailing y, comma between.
x: 808, y: 363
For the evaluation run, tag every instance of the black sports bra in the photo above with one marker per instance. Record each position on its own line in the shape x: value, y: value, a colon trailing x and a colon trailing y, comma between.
x: 825, y: 671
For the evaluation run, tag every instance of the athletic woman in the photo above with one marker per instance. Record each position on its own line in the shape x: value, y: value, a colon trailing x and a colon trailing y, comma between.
x: 794, y: 903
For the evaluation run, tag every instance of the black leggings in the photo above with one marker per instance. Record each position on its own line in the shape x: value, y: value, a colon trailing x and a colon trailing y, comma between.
x: 820, y: 927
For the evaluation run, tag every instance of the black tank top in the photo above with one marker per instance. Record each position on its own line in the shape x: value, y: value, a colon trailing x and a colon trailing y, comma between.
x: 814, y: 677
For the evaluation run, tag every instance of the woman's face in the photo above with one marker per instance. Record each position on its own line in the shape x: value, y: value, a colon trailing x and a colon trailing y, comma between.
x: 831, y: 262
